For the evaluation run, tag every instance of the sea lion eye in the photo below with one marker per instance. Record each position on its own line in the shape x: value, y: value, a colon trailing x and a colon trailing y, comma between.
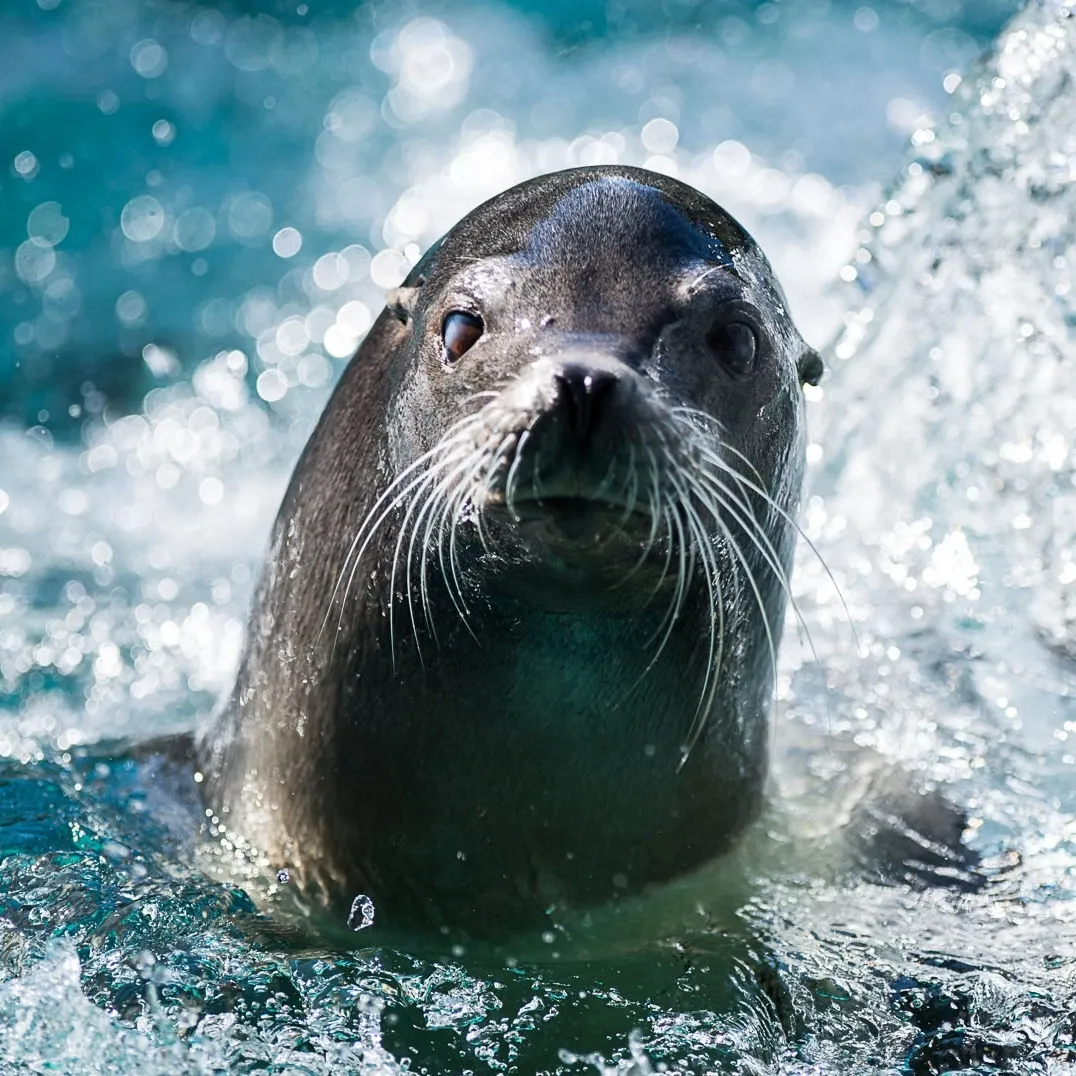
x: 460, y: 332
x: 735, y: 343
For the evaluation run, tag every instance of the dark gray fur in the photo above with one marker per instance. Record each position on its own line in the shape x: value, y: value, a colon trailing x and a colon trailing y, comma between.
x: 478, y: 780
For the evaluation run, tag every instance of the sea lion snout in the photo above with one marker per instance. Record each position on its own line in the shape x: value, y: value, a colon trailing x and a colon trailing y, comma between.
x: 584, y: 392
x: 566, y: 424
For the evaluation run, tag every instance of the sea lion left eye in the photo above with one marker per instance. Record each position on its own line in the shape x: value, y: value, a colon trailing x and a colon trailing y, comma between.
x: 460, y: 333
x: 735, y: 343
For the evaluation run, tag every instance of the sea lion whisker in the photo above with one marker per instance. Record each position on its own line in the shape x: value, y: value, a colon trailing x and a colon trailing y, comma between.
x: 632, y: 486
x: 758, y: 535
x: 714, y: 457
x: 601, y: 492
x: 668, y: 619
x: 450, y: 492
x: 453, y: 513
x: 487, y: 394
x: 513, y: 474
x: 685, y: 569
x: 462, y: 499
x: 432, y: 497
x: 657, y: 513
x: 703, y: 542
x: 421, y: 495
x: 358, y: 536
x: 655, y: 508
x: 631, y: 498
x: 749, y: 576
x: 440, y: 504
x: 743, y: 514
x: 367, y: 529
x: 725, y: 466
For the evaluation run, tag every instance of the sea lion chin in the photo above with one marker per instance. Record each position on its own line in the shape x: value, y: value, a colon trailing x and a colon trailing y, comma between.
x: 514, y: 644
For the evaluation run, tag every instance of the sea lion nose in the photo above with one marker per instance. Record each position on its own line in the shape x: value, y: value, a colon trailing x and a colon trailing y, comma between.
x: 583, y: 395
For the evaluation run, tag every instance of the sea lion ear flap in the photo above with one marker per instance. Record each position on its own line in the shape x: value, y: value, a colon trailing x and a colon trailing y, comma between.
x: 810, y: 367
x: 401, y: 301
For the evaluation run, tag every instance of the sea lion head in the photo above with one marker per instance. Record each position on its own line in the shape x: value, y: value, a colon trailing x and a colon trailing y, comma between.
x: 598, y: 372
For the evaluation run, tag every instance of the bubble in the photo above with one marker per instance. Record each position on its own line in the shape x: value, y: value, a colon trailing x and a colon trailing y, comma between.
x: 217, y: 317
x: 660, y: 136
x: 46, y: 226
x: 211, y: 490
x: 148, y: 58
x: 865, y: 20
x: 330, y: 271
x: 108, y: 102
x: 207, y: 27
x: 272, y: 386
x: 251, y: 41
x: 355, y: 315
x: 26, y: 164
x: 287, y: 242
x: 905, y: 115
x: 250, y: 215
x: 314, y: 371
x: 14, y: 562
x: 340, y: 341
x: 732, y: 158
x: 388, y: 268
x: 283, y: 876
x: 49, y: 333
x: 351, y: 116
x: 130, y: 307
x: 73, y: 502
x: 164, y: 133
x: 361, y: 915
x: 291, y: 335
x: 161, y: 361
x: 142, y: 218
x: 432, y: 68
x: 194, y: 229
x: 34, y: 263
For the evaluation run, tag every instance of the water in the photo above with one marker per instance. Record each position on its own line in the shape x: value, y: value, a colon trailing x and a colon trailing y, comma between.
x: 200, y: 216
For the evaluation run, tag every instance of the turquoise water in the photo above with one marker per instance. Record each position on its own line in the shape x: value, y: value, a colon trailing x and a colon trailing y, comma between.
x: 200, y: 213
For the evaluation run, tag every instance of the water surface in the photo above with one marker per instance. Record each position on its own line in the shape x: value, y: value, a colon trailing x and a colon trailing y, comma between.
x: 201, y: 214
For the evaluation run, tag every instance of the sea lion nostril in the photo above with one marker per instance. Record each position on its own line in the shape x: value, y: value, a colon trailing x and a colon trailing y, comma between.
x: 583, y: 395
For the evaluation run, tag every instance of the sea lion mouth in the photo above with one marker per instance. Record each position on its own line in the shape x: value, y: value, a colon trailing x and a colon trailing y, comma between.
x: 565, y: 514
x: 567, y: 505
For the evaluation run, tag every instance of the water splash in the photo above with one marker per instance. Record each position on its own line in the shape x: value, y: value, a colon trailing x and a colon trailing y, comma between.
x: 361, y: 915
x: 126, y: 560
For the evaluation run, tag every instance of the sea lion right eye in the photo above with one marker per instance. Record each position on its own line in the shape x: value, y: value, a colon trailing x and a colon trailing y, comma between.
x: 460, y: 333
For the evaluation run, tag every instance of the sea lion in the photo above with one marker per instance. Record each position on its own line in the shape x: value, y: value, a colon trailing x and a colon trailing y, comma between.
x: 514, y: 644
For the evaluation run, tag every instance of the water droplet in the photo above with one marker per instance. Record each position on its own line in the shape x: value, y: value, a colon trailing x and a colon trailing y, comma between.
x: 362, y: 913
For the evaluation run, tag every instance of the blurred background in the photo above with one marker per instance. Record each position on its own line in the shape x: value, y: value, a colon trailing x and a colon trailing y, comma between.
x: 179, y: 180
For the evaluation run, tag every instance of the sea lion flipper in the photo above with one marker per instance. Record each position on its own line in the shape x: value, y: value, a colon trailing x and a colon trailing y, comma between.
x: 913, y: 835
